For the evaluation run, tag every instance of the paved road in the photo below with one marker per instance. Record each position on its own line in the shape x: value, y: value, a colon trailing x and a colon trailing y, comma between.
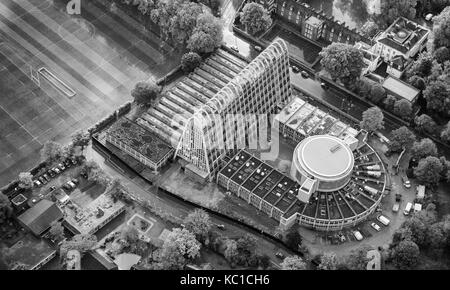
x: 100, y: 54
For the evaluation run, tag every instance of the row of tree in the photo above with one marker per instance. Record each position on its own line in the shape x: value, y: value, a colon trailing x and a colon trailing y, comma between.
x: 184, y: 23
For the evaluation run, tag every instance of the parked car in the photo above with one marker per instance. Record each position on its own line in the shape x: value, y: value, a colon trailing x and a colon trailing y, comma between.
x: 280, y: 255
x: 56, y: 170
x: 84, y: 175
x: 323, y: 85
x: 375, y: 226
x: 396, y: 207
x: 258, y: 48
x: 222, y: 227
x: 37, y: 183
x: 304, y: 74
x: 295, y: 69
x: 358, y: 235
x: 406, y: 182
x: 76, y: 181
x: 235, y: 48
x: 407, y: 208
x: 51, y: 173
x: 66, y: 186
x: 46, y: 177
x: 71, y: 184
x: 42, y: 180
x: 68, y: 163
x: 61, y: 166
x: 384, y: 220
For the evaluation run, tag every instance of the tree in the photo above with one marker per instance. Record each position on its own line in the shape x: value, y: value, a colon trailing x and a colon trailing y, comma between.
x: 190, y: 60
x: 145, y: 93
x: 96, y: 173
x: 417, y: 82
x: 81, y: 138
x: 445, y: 133
x: 130, y: 235
x: 392, y: 9
x: 51, y: 152
x: 369, y: 29
x: 377, y: 93
x: 441, y: 29
x: 437, y: 96
x: 293, y: 239
x: 422, y: 66
x: 442, y: 54
x: 246, y: 246
x: 264, y: 261
x: 403, y: 108
x: 207, y: 35
x: 372, y: 119
x: 213, y: 4
x: 179, y: 247
x: 293, y: 263
x: 56, y: 231
x: 328, y: 261
x: 184, y: 22
x: 423, y: 148
x: 428, y: 171
x: 357, y: 260
x: 81, y: 242
x: 5, y: 208
x: 255, y: 18
x: 425, y: 124
x: 25, y: 180
x: 406, y: 255
x: 342, y: 61
x: 401, y: 138
x: 389, y: 102
x: 198, y: 223
x: 231, y: 252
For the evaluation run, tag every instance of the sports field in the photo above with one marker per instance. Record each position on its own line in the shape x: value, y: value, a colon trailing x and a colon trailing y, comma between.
x: 99, y: 54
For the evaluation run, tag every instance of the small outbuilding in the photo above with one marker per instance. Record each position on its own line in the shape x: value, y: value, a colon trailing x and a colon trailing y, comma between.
x: 39, y: 218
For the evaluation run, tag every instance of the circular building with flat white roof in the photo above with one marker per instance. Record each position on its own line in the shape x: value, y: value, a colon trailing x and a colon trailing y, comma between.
x: 324, y: 158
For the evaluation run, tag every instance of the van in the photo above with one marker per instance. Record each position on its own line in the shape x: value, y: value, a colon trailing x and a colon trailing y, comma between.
x: 384, y: 220
x: 407, y: 208
x: 358, y: 235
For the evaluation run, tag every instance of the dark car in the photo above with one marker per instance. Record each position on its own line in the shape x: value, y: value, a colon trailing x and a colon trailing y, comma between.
x: 84, y: 175
x: 304, y: 74
x: 74, y: 161
x: 46, y: 177
x: 76, y: 181
x: 61, y: 166
x: 66, y: 186
x: 42, y: 180
x: 68, y: 163
x: 295, y: 69
x: 324, y: 85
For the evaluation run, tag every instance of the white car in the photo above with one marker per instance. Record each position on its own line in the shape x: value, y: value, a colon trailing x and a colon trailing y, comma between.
x: 358, y: 235
x: 384, y: 220
x: 396, y: 207
x: 375, y: 226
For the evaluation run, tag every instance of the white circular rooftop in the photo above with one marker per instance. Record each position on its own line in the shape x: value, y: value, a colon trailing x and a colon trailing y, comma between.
x: 325, y: 157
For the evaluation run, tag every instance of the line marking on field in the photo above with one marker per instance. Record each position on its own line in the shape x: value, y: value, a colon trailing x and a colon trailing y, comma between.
x: 20, y: 123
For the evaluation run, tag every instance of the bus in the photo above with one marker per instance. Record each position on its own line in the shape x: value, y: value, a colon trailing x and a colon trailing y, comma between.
x: 407, y: 208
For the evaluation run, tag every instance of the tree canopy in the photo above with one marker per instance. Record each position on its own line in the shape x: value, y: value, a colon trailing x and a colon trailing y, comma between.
x: 328, y: 261
x: 342, y: 61
x: 207, y: 35
x: 441, y: 29
x: 401, y: 138
x: 190, y: 60
x: 392, y: 9
x: 429, y: 170
x: 372, y: 119
x: 198, y: 223
x: 255, y: 18
x: 145, y: 92
x: 425, y: 123
x: 293, y: 263
x: 424, y: 148
x: 445, y: 134
x: 5, y: 208
x: 405, y: 255
x: 438, y: 97
x: 51, y: 152
x: 179, y: 247
x: 81, y: 138
x: 25, y: 180
x: 56, y: 231
x: 403, y: 108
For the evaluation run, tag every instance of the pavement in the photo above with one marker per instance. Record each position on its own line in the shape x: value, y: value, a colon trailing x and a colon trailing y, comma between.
x: 99, y: 54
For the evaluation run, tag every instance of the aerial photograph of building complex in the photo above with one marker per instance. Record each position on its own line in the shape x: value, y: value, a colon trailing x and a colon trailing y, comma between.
x: 224, y: 135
